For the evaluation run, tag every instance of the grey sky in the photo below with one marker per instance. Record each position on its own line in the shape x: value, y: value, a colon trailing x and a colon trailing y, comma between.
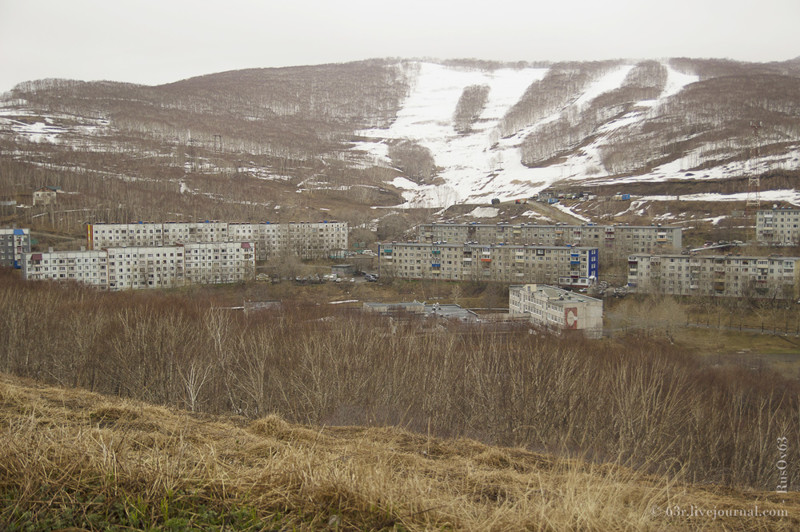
x: 159, y: 41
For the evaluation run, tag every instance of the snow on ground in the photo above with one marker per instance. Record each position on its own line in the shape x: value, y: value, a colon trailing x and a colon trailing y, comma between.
x: 46, y: 128
x: 564, y: 208
x: 467, y: 160
x: 38, y: 131
x: 537, y: 215
x: 405, y: 184
x: 480, y: 165
x: 608, y: 82
x: 484, y: 212
x: 676, y: 81
x: 789, y: 195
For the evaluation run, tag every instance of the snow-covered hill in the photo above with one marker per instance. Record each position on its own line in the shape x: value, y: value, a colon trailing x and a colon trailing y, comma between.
x: 481, y: 165
x: 338, y: 141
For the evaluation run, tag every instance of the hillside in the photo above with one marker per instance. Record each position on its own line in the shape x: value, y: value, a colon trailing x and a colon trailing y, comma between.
x: 70, y: 458
x: 359, y: 141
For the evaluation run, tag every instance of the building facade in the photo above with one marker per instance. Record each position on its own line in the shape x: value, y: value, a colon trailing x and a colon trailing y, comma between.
x: 553, y: 308
x: 14, y: 243
x: 305, y: 239
x: 572, y: 266
x: 715, y: 275
x: 144, y: 267
x: 621, y: 239
x: 139, y: 267
x: 220, y: 262
x: 87, y: 267
x: 778, y: 227
x: 45, y: 196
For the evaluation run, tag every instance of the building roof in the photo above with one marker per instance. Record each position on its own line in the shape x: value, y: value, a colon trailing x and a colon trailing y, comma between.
x: 440, y: 310
x: 532, y: 224
x: 556, y: 295
x: 714, y: 257
x: 477, y: 246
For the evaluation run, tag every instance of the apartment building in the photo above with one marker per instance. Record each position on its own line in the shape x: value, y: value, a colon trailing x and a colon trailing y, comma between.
x: 220, y: 262
x: 778, y: 227
x: 142, y: 267
x: 138, y: 267
x: 570, y: 266
x: 14, y: 243
x: 715, y: 275
x: 620, y: 239
x: 305, y: 239
x: 553, y: 308
x: 87, y: 267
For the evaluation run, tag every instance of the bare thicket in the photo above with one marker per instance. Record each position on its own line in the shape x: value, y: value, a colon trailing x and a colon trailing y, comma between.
x: 641, y: 403
x: 469, y: 107
x: 415, y: 160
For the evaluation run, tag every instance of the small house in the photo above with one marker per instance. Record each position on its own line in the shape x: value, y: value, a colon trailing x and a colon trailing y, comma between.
x: 45, y: 195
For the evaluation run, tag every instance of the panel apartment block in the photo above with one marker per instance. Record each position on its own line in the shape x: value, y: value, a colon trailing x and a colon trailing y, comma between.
x: 715, y: 275
x: 778, y: 227
x: 142, y: 267
x: 14, y: 243
x: 623, y: 239
x: 305, y: 239
x: 146, y: 267
x: 506, y: 263
x: 219, y: 262
x: 553, y: 308
x: 87, y: 267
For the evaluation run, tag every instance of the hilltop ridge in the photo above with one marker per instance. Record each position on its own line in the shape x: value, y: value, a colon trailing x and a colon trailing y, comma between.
x: 343, y: 140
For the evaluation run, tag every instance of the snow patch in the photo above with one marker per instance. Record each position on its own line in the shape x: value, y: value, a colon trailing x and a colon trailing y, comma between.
x: 565, y: 209
x: 608, y: 82
x: 537, y: 215
x: 484, y: 212
x: 404, y: 184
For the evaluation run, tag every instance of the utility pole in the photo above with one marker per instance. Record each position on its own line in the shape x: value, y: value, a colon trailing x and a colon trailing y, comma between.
x: 753, y: 181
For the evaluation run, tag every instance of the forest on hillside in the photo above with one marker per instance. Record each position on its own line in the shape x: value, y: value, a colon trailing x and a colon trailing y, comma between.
x: 278, y: 144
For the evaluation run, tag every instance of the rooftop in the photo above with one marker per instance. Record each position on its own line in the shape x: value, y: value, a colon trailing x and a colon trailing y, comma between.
x: 555, y: 294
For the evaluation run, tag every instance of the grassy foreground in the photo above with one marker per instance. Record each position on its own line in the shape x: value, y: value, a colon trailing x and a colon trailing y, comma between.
x: 70, y: 458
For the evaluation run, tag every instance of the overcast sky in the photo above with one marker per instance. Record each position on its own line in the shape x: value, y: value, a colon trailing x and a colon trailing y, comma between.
x: 159, y: 41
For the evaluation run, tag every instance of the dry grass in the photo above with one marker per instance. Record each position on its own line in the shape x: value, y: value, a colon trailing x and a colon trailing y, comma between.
x: 72, y: 458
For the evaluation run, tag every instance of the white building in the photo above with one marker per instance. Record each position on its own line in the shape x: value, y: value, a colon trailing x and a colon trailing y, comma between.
x: 715, y: 275
x: 564, y: 265
x: 609, y: 239
x: 87, y: 267
x: 305, y: 239
x: 45, y: 196
x: 220, y: 262
x: 553, y: 308
x: 143, y: 267
x: 146, y: 267
x: 778, y: 227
